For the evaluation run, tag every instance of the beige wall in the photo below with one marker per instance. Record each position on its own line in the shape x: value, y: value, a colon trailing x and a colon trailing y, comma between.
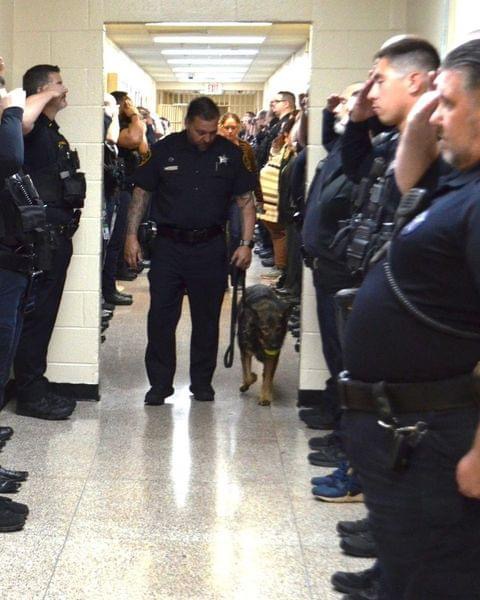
x: 345, y: 34
x: 429, y: 18
x: 6, y: 38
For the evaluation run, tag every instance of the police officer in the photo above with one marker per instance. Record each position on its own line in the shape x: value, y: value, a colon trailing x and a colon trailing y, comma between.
x: 412, y: 344
x: 53, y: 168
x: 193, y: 176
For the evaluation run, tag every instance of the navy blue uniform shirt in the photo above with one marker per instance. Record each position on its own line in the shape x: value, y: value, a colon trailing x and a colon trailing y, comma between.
x: 42, y: 147
x: 436, y: 262
x: 193, y: 189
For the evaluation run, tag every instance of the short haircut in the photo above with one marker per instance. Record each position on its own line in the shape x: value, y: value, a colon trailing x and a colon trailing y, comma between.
x: 36, y: 77
x: 202, y: 107
x: 289, y: 97
x: 119, y: 96
x: 229, y: 115
x: 262, y: 114
x: 465, y: 58
x: 411, y: 53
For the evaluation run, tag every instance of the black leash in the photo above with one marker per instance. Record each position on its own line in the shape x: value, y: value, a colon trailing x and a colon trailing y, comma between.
x: 238, y: 280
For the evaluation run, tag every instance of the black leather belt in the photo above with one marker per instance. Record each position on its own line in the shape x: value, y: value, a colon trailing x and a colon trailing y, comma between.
x: 444, y: 394
x: 189, y: 236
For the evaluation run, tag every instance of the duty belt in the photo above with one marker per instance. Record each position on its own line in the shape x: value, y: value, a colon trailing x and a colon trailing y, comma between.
x: 425, y: 396
x: 189, y: 236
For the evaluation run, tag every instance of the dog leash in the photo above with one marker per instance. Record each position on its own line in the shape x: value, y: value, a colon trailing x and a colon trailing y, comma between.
x: 238, y: 279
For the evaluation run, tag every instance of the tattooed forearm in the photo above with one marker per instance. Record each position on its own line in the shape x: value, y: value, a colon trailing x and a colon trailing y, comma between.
x: 136, y: 210
x: 244, y: 199
x: 248, y: 217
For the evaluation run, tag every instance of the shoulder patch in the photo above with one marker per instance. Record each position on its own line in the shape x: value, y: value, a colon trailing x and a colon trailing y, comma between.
x: 145, y: 158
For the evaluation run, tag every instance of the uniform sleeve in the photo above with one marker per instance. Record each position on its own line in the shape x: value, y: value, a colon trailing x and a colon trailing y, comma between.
x: 357, y: 151
x: 147, y: 174
x: 11, y: 142
x: 245, y: 180
x: 473, y: 239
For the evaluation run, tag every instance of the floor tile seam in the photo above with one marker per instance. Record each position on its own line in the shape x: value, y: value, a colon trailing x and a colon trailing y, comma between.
x: 74, y: 514
x: 308, y: 580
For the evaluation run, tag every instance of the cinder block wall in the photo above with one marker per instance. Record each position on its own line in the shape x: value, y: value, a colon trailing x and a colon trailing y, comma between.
x: 345, y: 33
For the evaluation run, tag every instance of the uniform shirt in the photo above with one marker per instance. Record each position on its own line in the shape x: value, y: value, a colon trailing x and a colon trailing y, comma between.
x: 42, y: 147
x: 193, y: 189
x: 11, y: 160
x: 436, y: 262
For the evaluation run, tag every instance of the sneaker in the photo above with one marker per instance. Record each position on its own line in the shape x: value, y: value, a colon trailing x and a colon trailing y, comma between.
x: 330, y: 456
x: 326, y: 479
x: 268, y: 262
x: 318, y: 443
x: 345, y: 528
x: 361, y: 545
x: 349, y: 583
x: 345, y: 487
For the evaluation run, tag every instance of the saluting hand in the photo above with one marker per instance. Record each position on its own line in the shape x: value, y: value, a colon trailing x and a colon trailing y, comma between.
x: 362, y: 109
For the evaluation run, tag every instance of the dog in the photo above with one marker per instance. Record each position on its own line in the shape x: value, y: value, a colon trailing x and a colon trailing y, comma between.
x: 262, y: 326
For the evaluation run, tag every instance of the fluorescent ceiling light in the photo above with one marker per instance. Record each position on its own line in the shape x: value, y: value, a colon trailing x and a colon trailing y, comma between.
x: 209, y: 24
x: 208, y: 39
x: 210, y: 52
x: 206, y: 69
x: 210, y: 61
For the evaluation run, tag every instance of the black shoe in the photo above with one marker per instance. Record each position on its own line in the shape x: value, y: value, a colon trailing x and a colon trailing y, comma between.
x: 265, y: 253
x: 318, y: 443
x: 49, y: 407
x: 124, y: 294
x: 155, y: 397
x: 372, y: 593
x: 9, y: 487
x: 345, y: 528
x: 330, y: 456
x: 268, y: 262
x: 5, y: 433
x: 205, y: 394
x: 126, y: 275
x: 16, y: 507
x: 119, y: 299
x: 361, y: 545
x: 320, y: 422
x: 13, y: 475
x: 349, y: 583
x: 108, y: 306
x: 10, y: 520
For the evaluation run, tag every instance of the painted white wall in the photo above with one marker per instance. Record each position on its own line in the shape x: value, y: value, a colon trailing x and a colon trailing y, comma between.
x: 293, y: 76
x: 131, y: 78
x: 464, y: 18
x: 6, y: 40
x: 345, y: 35
x: 430, y: 19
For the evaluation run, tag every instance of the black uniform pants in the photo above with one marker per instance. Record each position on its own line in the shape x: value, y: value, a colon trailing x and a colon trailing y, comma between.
x: 201, y: 270
x: 114, y: 250
x: 427, y: 534
x: 30, y: 361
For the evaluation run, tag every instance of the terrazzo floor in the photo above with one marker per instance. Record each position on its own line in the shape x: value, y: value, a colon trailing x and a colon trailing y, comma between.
x: 186, y: 501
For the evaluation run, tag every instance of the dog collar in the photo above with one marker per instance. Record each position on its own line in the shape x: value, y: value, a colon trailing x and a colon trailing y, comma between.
x: 272, y: 352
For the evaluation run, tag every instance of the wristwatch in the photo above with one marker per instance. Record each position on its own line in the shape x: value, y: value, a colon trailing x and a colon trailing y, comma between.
x: 249, y: 243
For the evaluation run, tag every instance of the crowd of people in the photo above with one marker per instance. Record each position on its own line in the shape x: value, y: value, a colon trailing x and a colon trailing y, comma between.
x: 388, y: 228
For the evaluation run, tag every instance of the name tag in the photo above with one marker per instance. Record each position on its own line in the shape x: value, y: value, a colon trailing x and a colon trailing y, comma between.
x: 171, y: 168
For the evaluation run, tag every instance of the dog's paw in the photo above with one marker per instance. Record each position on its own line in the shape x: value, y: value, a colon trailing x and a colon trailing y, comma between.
x: 264, y: 402
x: 246, y: 384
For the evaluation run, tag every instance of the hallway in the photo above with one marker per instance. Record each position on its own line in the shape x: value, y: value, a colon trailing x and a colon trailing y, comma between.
x: 184, y: 501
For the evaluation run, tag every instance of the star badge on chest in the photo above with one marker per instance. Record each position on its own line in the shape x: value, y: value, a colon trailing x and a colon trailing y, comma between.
x: 222, y: 159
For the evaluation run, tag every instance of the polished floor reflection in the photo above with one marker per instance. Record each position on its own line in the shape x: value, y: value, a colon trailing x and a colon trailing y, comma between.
x: 182, y: 501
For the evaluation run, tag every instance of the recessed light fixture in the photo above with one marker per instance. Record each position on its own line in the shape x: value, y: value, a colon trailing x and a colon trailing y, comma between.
x: 209, y: 39
x: 210, y: 61
x: 209, y: 24
x: 206, y: 69
x: 210, y: 52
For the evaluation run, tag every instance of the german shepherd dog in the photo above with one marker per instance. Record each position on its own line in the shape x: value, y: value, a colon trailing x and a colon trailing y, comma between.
x: 262, y: 325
